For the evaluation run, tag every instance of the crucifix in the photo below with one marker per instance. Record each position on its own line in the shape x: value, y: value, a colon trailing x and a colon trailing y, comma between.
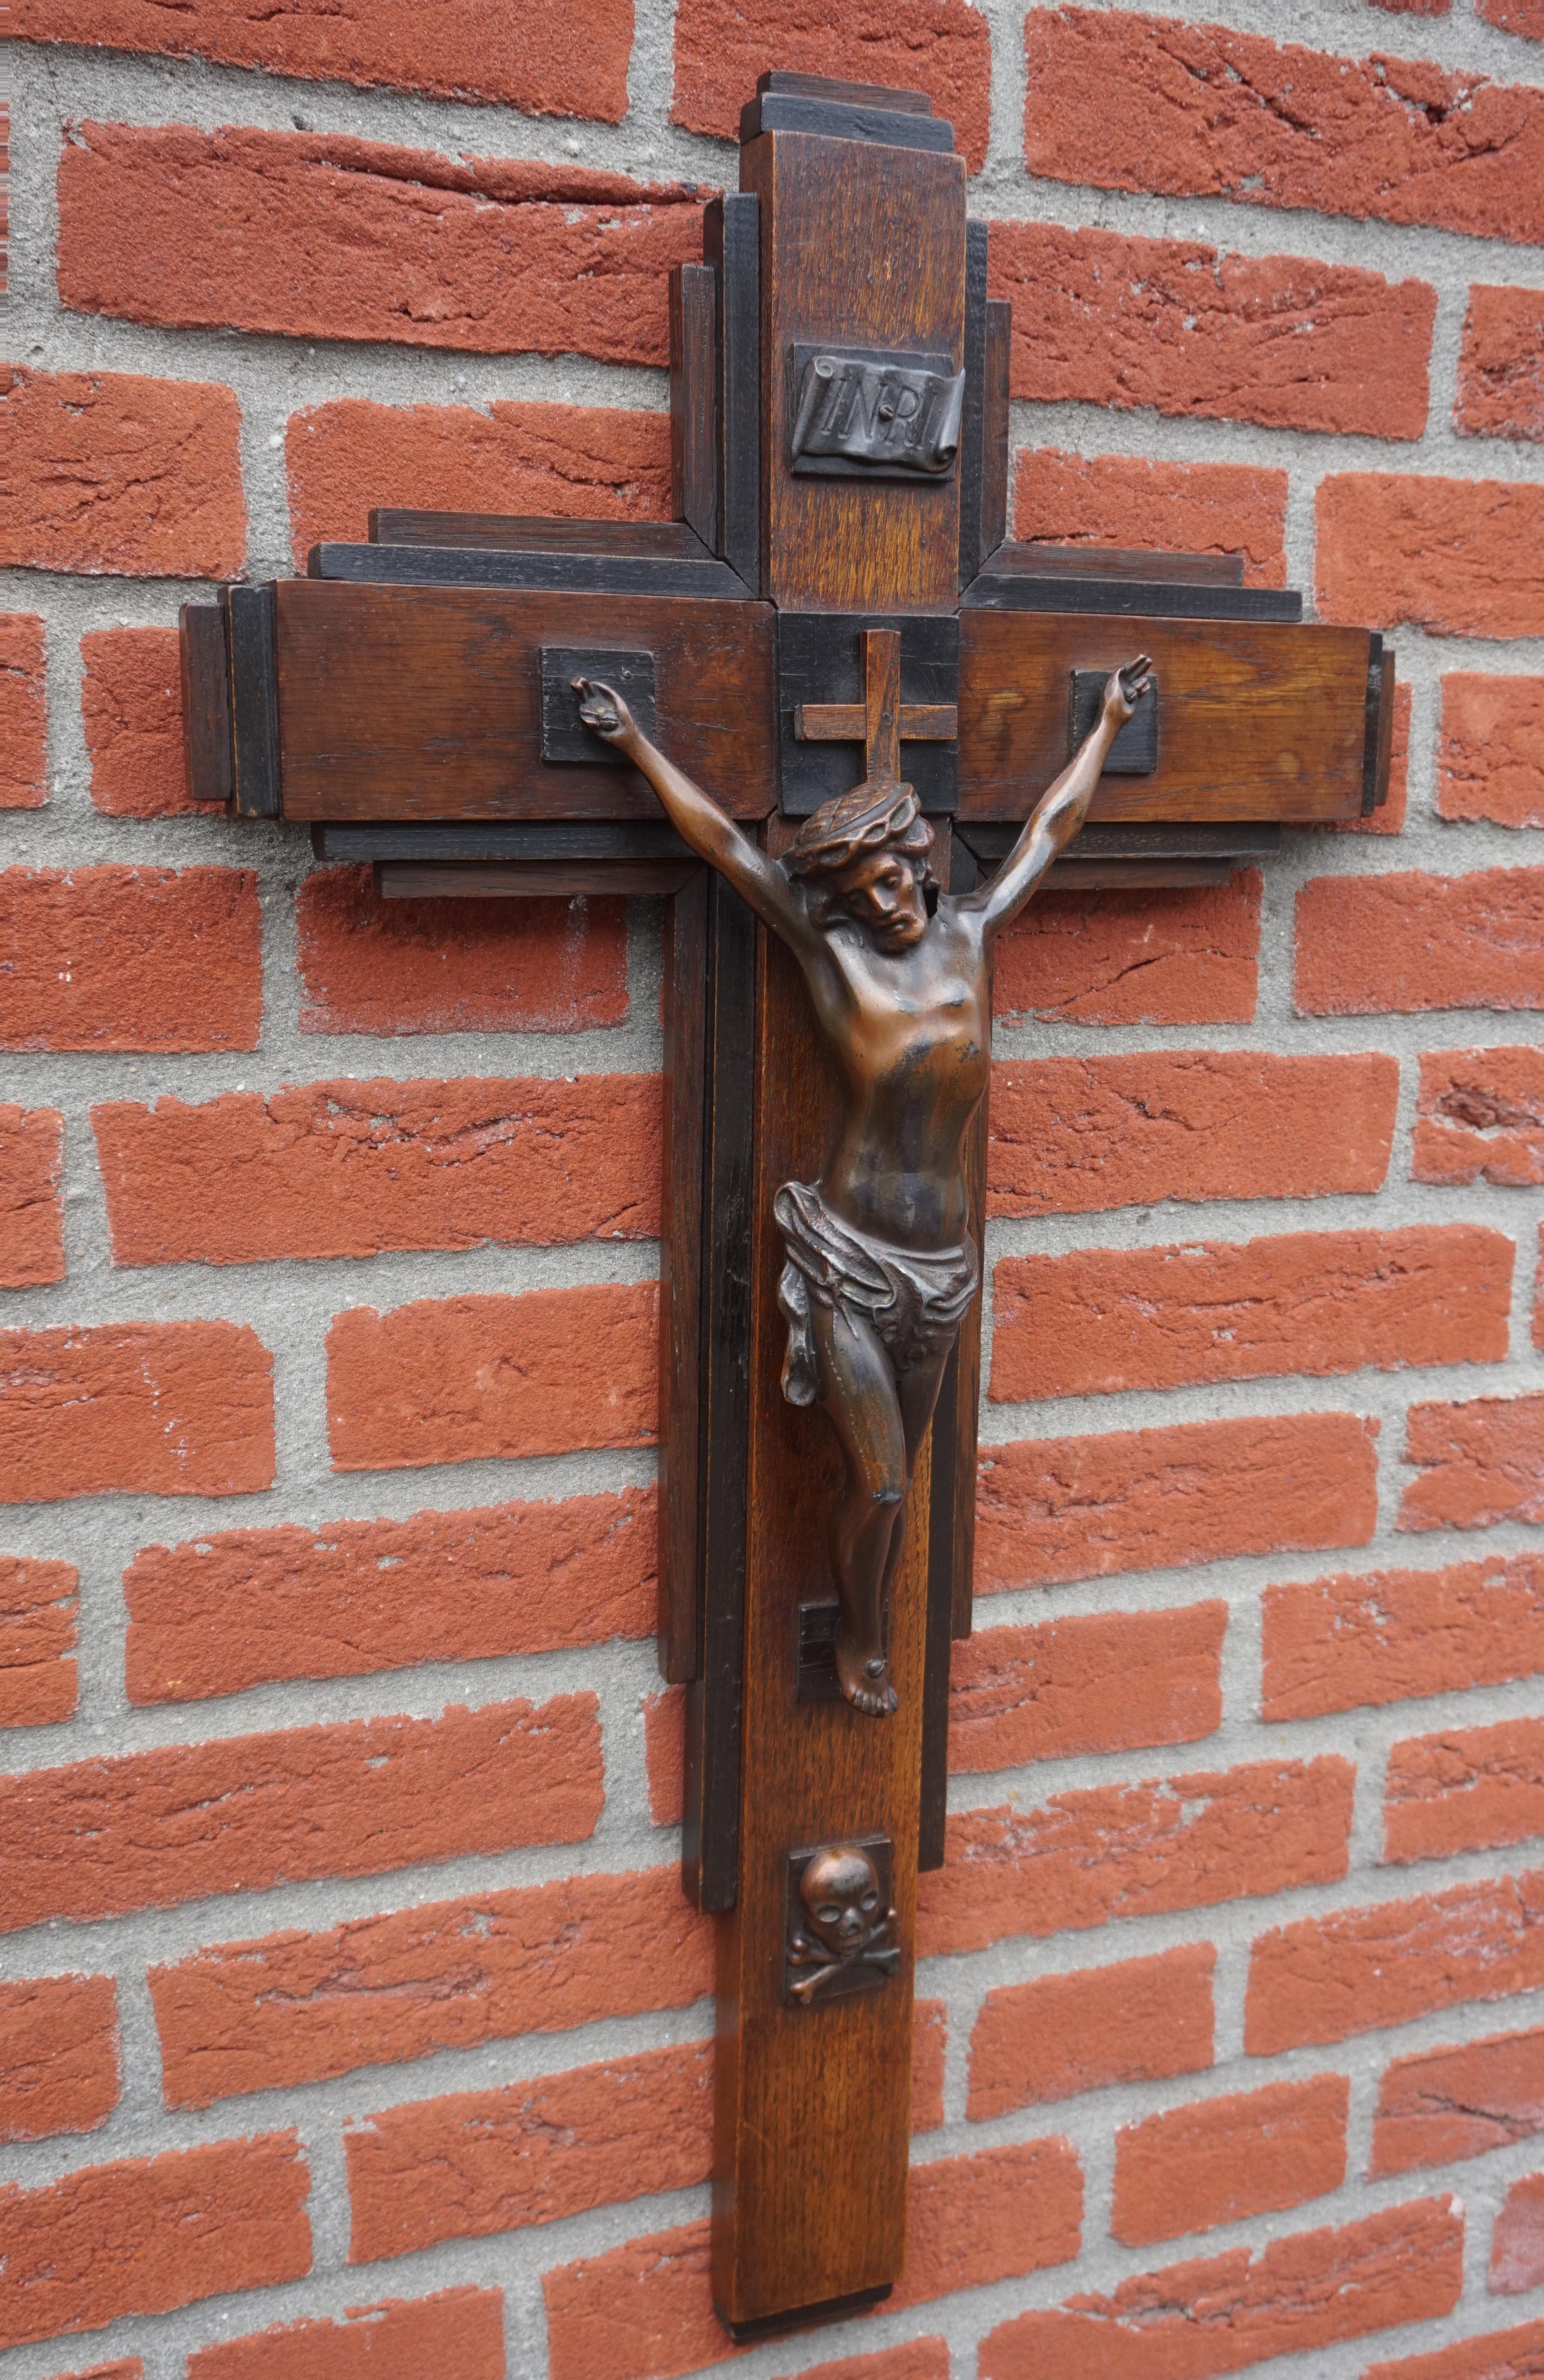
x: 846, y: 727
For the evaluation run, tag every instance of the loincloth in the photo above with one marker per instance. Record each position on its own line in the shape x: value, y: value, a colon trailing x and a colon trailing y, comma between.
x: 914, y: 1300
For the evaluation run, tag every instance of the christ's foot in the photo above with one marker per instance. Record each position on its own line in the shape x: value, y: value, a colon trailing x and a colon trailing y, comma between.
x: 864, y: 1677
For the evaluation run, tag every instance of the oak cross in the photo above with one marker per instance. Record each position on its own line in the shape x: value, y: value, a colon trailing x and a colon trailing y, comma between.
x: 837, y: 572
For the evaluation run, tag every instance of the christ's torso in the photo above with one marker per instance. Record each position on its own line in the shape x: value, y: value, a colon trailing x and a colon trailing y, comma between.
x: 913, y: 1033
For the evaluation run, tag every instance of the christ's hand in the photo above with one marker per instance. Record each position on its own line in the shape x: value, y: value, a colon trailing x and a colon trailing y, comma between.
x: 604, y: 711
x: 1124, y: 690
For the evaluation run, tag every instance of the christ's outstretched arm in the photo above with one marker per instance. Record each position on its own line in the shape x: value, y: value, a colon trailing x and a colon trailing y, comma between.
x: 697, y: 818
x: 1063, y: 805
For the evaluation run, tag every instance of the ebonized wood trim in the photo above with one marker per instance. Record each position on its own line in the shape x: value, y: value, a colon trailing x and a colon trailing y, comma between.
x: 555, y: 574
x: 784, y: 82
x: 732, y: 244
x: 933, y: 1807
x: 997, y: 399
x: 671, y: 541
x: 839, y: 120
x: 710, y: 1836
x: 973, y: 426
x: 1167, y: 599
x: 513, y: 839
x: 254, y: 701
x: 1375, y: 771
x: 991, y: 840
x: 694, y: 461
x: 1023, y: 557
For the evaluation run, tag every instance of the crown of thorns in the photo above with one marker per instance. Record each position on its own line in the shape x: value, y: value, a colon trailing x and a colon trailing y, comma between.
x: 875, y: 815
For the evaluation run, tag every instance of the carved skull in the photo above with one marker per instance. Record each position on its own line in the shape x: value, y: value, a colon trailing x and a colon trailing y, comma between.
x: 843, y: 1899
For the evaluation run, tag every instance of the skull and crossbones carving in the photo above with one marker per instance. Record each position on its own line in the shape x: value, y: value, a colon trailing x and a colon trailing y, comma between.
x: 845, y: 1932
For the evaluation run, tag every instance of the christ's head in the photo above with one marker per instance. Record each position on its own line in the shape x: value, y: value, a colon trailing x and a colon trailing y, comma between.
x: 867, y: 856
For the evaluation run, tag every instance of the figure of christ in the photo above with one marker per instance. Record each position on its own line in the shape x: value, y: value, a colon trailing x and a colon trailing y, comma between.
x: 880, y: 1264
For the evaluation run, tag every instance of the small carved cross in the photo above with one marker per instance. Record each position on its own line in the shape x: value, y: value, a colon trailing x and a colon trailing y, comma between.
x: 882, y: 722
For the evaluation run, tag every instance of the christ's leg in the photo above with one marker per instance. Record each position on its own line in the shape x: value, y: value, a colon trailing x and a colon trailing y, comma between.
x: 917, y: 1392
x: 857, y: 1390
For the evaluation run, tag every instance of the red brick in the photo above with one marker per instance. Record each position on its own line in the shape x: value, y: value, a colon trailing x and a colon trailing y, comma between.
x: 1525, y: 17
x: 146, y: 1408
x: 1502, y: 2354
x: 346, y: 1169
x: 457, y: 2331
x: 1112, y: 1681
x: 1480, y: 1463
x: 452, y: 1974
x: 1517, y: 2240
x: 595, y: 462
x: 664, y: 1752
x: 640, y: 2311
x: 1389, y: 816
x: 1324, y: 1979
x: 37, y: 1641
x: 1448, y: 2103
x: 243, y: 1814
x: 1133, y: 1851
x: 1464, y: 1789
x: 321, y: 235
x: 1191, y: 2320
x: 1134, y: 958
x: 1500, y: 369
x: 1319, y: 1303
x: 1458, y: 557
x: 452, y: 1379
x: 455, y: 967
x: 31, y: 1218
x: 121, y: 474
x: 941, y: 46
x: 241, y: 1608
x: 1222, y: 2160
x: 147, y: 2234
x: 1348, y: 1640
x: 488, y: 2161
x: 1481, y: 1115
x: 1139, y: 2021
x: 1190, y: 330
x: 554, y: 61
x: 1377, y: 945
x: 1131, y: 103
x: 131, y: 702
x: 929, y: 2048
x: 23, y: 712
x: 1051, y: 1510
x: 1491, y: 755
x: 130, y: 958
x: 914, y: 2359
x: 993, y: 2217
x: 1077, y: 1135
x: 58, y: 2055
x: 1174, y: 508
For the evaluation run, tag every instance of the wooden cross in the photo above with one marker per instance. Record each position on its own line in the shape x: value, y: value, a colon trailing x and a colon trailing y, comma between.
x: 882, y: 722
x: 837, y: 572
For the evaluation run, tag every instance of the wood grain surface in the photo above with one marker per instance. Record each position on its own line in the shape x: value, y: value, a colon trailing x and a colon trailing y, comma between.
x: 861, y: 247
x: 1254, y: 721
x: 399, y: 703
x: 812, y: 2104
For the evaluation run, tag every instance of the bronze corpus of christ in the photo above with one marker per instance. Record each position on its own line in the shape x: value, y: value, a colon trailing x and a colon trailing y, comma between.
x: 880, y: 1264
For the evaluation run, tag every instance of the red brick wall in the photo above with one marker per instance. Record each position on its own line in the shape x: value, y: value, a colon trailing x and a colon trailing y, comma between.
x: 352, y: 2026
